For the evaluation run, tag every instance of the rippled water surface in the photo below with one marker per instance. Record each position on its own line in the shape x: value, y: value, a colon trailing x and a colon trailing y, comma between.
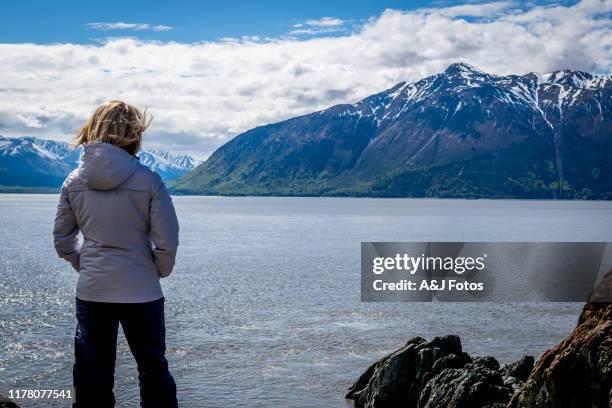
x: 264, y: 309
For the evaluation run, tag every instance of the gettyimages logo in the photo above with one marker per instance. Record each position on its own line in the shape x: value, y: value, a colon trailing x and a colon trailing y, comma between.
x: 411, y: 264
x: 472, y: 271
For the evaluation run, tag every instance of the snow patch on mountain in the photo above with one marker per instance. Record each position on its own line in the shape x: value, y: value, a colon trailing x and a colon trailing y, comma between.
x: 540, y: 93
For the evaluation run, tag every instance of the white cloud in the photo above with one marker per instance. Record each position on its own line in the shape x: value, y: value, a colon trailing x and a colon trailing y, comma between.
x: 324, y: 25
x: 202, y: 94
x: 325, y: 22
x: 493, y: 9
x: 315, y: 31
x: 128, y: 26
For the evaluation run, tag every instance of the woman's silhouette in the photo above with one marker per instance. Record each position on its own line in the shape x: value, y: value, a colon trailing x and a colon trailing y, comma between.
x: 130, y: 237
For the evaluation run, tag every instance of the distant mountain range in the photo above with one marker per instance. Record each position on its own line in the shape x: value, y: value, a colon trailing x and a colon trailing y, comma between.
x: 459, y: 133
x: 29, y: 162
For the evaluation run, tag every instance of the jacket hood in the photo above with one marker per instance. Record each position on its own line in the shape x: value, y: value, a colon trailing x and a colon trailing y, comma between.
x: 105, y: 166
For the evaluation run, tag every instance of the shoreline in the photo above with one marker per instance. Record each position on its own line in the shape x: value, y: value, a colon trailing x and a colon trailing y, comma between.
x: 52, y: 191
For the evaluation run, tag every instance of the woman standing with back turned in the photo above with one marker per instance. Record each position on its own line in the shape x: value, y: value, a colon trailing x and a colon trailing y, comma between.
x: 130, y: 233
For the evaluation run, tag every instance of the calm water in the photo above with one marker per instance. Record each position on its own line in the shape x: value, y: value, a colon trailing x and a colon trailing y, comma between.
x: 263, y: 308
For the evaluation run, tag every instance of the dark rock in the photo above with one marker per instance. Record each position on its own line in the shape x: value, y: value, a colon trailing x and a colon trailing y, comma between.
x: 397, y: 379
x: 7, y: 403
x: 519, y: 370
x: 489, y: 362
x: 475, y: 385
x: 515, y: 374
x: 438, y: 374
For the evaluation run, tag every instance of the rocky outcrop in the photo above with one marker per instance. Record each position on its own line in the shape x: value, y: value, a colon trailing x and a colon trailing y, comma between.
x: 578, y: 371
x: 477, y: 384
x: 437, y: 374
x: 520, y: 369
x: 516, y: 374
x: 7, y: 403
x: 398, y: 378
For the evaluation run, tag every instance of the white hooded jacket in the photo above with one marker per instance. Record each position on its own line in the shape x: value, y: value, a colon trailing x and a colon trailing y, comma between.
x: 128, y: 223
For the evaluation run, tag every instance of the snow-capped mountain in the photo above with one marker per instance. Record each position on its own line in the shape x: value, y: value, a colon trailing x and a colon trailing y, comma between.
x: 34, y: 162
x: 459, y: 133
x: 169, y: 165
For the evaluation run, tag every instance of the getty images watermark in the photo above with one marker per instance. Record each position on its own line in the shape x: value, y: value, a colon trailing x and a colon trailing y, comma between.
x: 483, y: 271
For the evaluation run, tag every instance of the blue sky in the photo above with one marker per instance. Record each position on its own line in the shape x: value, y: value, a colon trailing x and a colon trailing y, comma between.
x: 45, y: 22
x: 208, y: 71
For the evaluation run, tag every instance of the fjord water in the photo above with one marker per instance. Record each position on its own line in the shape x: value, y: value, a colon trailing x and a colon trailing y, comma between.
x: 264, y: 309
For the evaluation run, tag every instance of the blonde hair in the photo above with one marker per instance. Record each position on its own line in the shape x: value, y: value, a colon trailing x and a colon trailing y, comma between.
x: 115, y: 122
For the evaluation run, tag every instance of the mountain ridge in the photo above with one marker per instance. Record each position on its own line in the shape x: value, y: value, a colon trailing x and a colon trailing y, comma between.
x: 459, y: 133
x: 31, y: 162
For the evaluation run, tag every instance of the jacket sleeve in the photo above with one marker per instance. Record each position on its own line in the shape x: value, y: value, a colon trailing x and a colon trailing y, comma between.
x: 164, y: 231
x: 66, y: 231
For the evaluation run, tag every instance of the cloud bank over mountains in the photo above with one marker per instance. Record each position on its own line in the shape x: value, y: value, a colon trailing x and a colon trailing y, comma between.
x: 202, y: 94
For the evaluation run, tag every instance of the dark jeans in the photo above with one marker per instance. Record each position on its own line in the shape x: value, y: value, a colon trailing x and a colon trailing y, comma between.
x: 96, y: 344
